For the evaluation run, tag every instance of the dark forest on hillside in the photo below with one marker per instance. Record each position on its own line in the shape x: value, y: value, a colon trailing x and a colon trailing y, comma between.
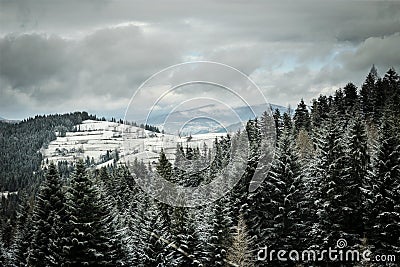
x: 335, y: 175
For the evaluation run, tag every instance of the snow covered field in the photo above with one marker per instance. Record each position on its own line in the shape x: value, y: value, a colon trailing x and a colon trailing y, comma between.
x: 104, y: 141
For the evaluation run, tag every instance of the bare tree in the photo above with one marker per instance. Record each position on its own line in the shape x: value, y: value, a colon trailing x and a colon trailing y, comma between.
x: 239, y: 254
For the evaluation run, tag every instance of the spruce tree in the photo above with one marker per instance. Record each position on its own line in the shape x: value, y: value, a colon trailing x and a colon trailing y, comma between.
x: 367, y: 94
x: 221, y: 232
x: 391, y: 87
x: 287, y: 121
x: 278, y: 122
x: 161, y: 235
x: 143, y: 232
x: 247, y: 155
x: 24, y: 232
x: 350, y: 95
x: 4, y: 254
x: 385, y: 213
x: 112, y: 206
x: 278, y: 220
x: 329, y: 175
x: 356, y: 184
x: 283, y: 187
x: 48, y: 214
x: 319, y: 111
x: 88, y: 242
x: 184, y: 236
x: 301, y: 117
x: 144, y: 228
x: 162, y: 228
x: 164, y: 168
x: 339, y: 103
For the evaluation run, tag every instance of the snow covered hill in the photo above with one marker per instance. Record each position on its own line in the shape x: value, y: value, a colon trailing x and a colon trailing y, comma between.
x: 103, y: 142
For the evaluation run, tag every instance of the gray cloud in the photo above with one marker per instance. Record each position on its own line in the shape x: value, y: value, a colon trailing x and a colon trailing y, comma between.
x: 383, y: 51
x: 105, y: 65
x: 30, y: 59
x: 58, y: 56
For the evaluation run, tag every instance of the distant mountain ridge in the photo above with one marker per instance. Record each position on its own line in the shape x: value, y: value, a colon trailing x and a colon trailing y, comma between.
x: 209, y: 118
x: 8, y: 121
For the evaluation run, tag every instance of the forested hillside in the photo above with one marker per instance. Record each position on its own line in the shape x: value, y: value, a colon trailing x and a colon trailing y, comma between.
x: 20, y: 157
x: 335, y: 175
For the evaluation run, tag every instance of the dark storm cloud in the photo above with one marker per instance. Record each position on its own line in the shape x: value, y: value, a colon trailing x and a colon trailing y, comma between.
x: 30, y: 59
x: 270, y: 20
x: 57, y: 56
x: 54, y: 74
x: 380, y: 50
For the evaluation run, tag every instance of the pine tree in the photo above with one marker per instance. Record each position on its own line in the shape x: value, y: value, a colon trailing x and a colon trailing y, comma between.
x: 278, y: 122
x: 277, y: 221
x: 329, y: 175
x: 47, y: 214
x: 88, y: 242
x: 287, y: 121
x: 184, y: 236
x: 4, y: 255
x: 161, y: 234
x: 356, y: 184
x: 367, y: 94
x: 301, y: 117
x: 220, y: 232
x: 144, y: 231
x: 385, y: 214
x: 246, y: 157
x: 391, y: 86
x: 164, y: 167
x: 284, y: 185
x: 350, y: 95
x: 24, y: 232
x: 319, y: 111
x: 112, y: 205
x: 339, y: 103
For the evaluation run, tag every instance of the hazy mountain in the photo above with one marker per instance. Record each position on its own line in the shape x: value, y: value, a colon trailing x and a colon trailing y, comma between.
x: 211, y: 118
x: 8, y: 121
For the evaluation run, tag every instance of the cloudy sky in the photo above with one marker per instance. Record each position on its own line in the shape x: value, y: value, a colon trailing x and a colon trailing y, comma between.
x: 61, y: 56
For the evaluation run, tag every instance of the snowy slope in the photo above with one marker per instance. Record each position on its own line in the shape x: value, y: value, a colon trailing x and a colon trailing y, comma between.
x: 96, y: 139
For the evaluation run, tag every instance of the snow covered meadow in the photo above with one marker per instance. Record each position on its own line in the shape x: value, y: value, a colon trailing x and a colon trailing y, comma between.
x: 97, y: 139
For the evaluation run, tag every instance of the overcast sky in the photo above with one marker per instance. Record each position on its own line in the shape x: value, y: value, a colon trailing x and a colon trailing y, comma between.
x: 61, y: 56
